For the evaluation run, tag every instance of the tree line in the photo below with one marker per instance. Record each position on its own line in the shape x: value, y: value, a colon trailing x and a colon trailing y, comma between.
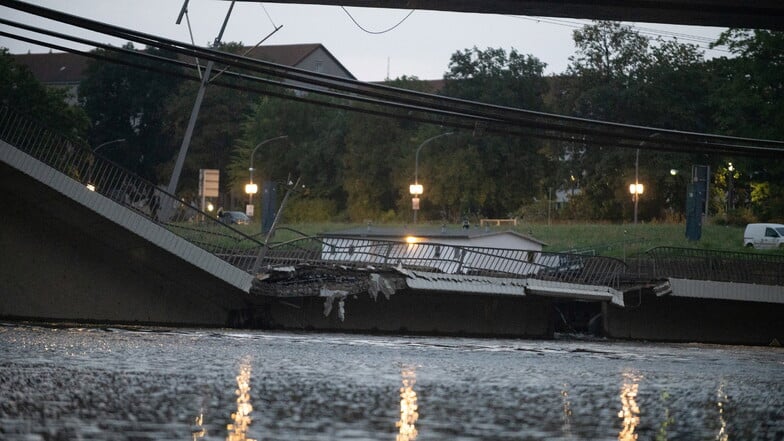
x: 357, y: 166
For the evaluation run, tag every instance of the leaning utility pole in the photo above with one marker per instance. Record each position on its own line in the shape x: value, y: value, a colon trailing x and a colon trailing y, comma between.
x: 186, y: 141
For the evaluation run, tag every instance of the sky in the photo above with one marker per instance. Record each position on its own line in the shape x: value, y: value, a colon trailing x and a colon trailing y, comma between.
x: 420, y: 43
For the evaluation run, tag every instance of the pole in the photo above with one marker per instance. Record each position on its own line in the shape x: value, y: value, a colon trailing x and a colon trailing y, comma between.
x: 107, y: 143
x: 637, y: 175
x: 265, y: 246
x: 549, y: 202
x: 416, y: 158
x: 416, y: 163
x: 636, y: 184
x: 252, y: 154
x: 186, y: 141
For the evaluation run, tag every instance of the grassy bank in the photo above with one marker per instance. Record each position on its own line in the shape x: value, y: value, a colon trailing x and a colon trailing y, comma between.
x: 605, y: 238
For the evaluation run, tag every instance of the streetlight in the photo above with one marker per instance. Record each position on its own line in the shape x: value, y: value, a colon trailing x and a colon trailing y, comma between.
x: 252, y: 188
x: 114, y: 141
x: 730, y: 189
x: 636, y: 189
x: 416, y: 188
x: 90, y: 185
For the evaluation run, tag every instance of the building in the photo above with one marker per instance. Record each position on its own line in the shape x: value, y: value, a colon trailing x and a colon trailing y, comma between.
x: 61, y: 70
x: 312, y: 57
x: 66, y: 70
x: 455, y: 250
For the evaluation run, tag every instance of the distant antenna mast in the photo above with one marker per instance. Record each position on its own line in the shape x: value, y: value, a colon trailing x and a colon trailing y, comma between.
x: 387, y: 68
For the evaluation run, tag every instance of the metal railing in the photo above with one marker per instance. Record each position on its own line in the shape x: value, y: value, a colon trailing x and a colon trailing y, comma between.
x: 447, y: 258
x: 722, y: 266
x: 74, y: 159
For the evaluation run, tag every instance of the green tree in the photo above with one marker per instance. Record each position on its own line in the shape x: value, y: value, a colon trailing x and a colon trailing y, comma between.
x: 749, y: 102
x: 21, y: 92
x: 128, y: 102
x: 313, y: 151
x: 217, y: 130
x: 619, y: 75
x: 492, y: 175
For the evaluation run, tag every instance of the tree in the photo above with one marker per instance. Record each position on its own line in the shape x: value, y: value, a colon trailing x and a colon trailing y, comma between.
x: 492, y: 175
x: 492, y: 76
x: 619, y: 75
x: 313, y: 151
x: 217, y: 129
x: 128, y: 102
x: 749, y: 103
x: 21, y: 92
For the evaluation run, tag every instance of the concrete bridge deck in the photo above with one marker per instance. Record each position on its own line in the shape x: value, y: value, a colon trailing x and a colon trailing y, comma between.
x: 83, y: 240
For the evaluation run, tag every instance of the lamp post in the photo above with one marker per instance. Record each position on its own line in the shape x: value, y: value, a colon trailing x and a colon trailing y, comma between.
x: 114, y: 141
x: 636, y: 189
x: 730, y: 189
x: 90, y: 184
x: 252, y: 188
x: 416, y: 188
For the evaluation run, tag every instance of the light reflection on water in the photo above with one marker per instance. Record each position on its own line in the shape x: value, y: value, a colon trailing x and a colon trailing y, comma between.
x: 164, y: 384
x: 409, y: 409
x: 241, y: 418
x: 630, y: 411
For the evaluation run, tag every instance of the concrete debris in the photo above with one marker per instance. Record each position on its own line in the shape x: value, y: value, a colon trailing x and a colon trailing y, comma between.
x: 380, y: 284
x: 329, y: 298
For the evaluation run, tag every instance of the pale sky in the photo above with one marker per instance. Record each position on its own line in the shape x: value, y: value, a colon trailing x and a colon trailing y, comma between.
x: 420, y: 46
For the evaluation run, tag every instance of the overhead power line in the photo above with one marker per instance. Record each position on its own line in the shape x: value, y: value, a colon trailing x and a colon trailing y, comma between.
x: 401, y: 103
x: 376, y: 32
x: 700, y: 41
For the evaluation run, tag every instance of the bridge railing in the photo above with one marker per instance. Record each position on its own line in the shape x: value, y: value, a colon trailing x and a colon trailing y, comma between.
x: 722, y: 266
x: 74, y: 159
x: 447, y: 258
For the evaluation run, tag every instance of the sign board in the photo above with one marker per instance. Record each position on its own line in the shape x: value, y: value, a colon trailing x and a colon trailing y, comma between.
x: 209, y: 181
x: 249, y: 210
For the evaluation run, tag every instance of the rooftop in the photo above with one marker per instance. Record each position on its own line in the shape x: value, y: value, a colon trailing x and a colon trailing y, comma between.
x: 431, y: 232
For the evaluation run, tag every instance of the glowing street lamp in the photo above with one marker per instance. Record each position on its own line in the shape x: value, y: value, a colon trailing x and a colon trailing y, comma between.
x: 416, y: 188
x: 251, y: 189
x: 636, y: 190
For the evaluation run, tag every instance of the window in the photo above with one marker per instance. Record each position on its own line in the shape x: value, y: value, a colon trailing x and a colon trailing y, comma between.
x: 457, y: 253
x: 770, y: 232
x: 319, y: 67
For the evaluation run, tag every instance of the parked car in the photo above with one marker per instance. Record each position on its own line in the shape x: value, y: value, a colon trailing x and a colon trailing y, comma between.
x: 234, y: 218
x: 764, y: 235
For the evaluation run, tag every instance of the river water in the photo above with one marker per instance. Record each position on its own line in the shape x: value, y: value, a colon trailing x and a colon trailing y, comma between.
x: 75, y: 383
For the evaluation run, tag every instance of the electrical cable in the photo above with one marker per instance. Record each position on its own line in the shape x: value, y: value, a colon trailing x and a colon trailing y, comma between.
x: 425, y: 115
x: 376, y: 32
x: 497, y: 118
x: 490, y: 125
x: 268, y: 15
x: 190, y: 32
x: 699, y: 41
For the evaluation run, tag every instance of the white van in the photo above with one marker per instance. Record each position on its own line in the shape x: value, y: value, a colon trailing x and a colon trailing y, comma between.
x: 764, y: 236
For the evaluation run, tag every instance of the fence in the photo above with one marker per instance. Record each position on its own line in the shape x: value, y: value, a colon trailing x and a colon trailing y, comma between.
x: 74, y: 159
x: 722, y: 266
x: 453, y: 259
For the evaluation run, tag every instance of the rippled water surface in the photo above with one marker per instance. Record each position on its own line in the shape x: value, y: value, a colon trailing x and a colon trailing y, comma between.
x: 69, y: 383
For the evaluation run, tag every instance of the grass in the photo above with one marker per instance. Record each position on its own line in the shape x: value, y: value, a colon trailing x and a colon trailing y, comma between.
x: 617, y: 240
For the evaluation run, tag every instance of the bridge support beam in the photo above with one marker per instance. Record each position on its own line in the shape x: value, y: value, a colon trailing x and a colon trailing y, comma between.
x: 63, y: 262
